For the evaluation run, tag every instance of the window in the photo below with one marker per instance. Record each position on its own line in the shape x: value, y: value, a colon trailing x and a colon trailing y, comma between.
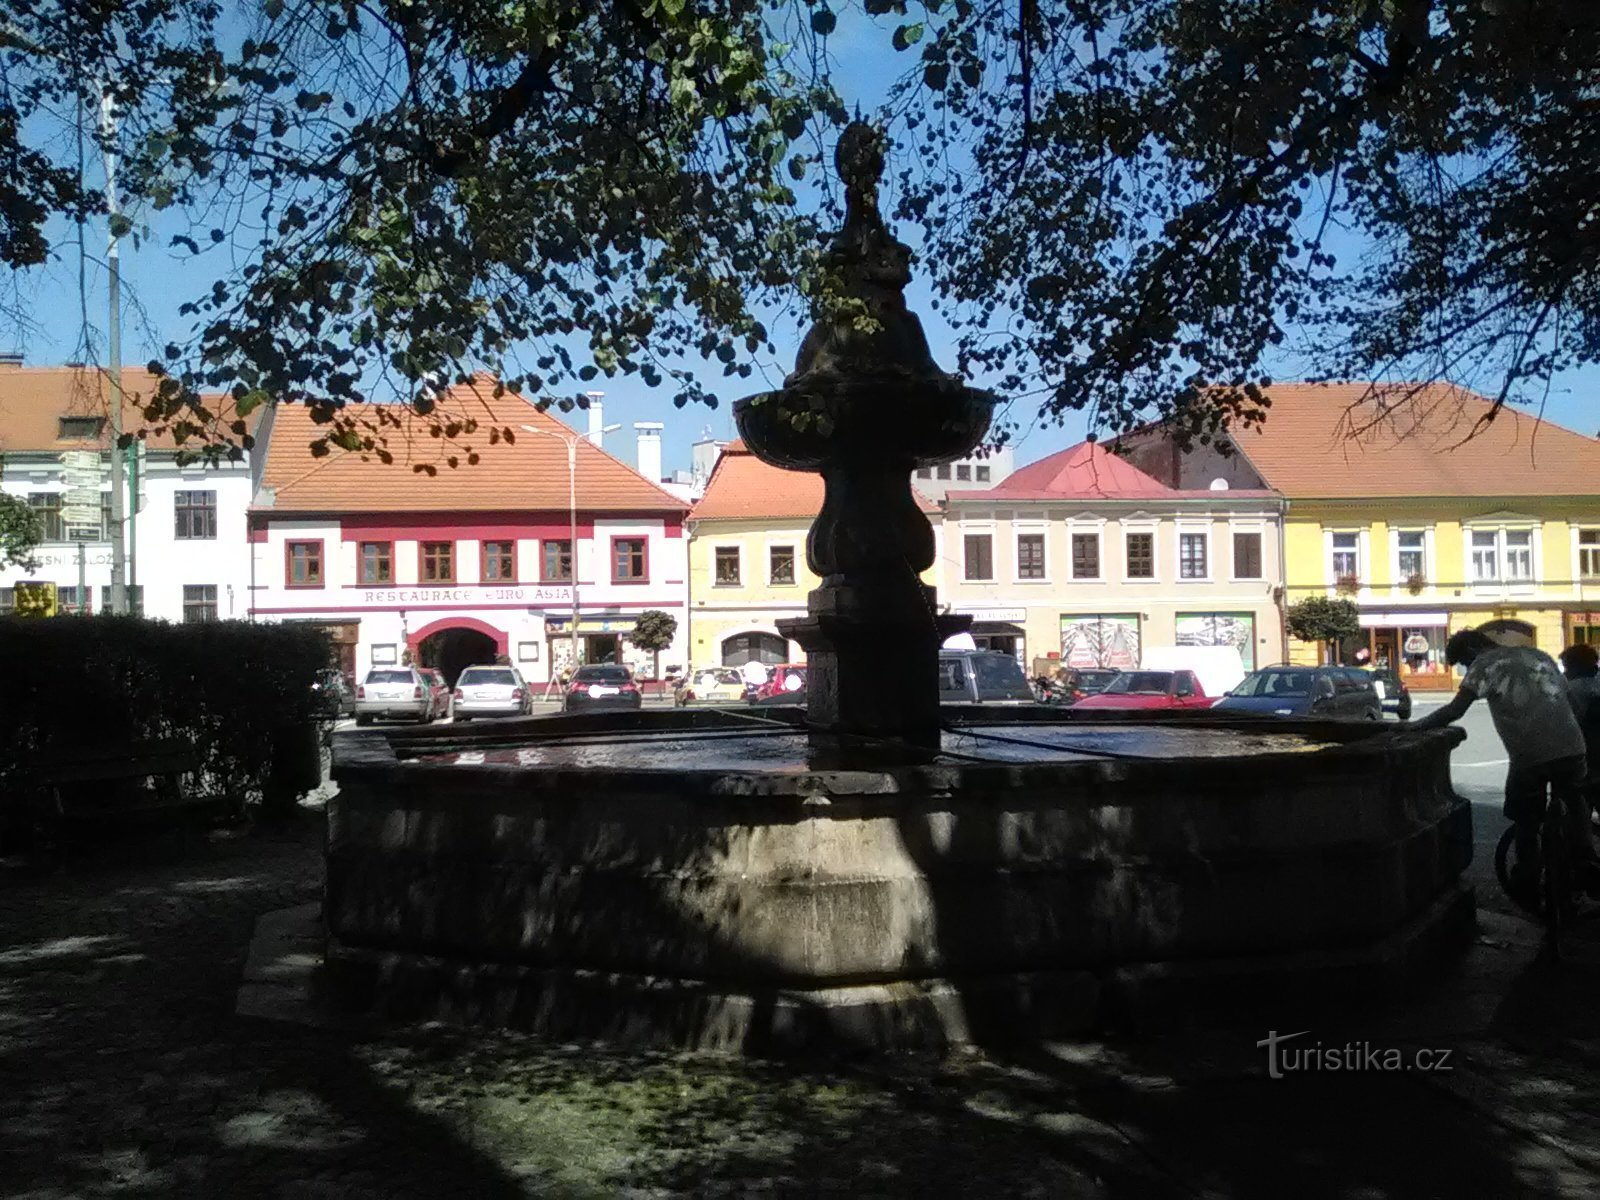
x: 48, y: 506
x: 1192, y: 556
x: 981, y: 474
x: 924, y: 472
x: 557, y: 561
x: 199, y: 602
x: 1141, y: 555
x: 1589, y: 553
x: 1411, y: 559
x: 377, y: 562
x: 780, y: 561
x: 107, y: 525
x: 438, y: 562
x: 1346, y: 556
x: 135, y: 599
x: 499, y: 563
x: 1030, y: 556
x: 964, y: 471
x: 75, y: 428
x: 629, y: 563
x: 1485, y: 556
x: 8, y: 600
x: 1246, y: 555
x: 303, y: 564
x: 1519, y: 555
x: 1086, y: 556
x: 979, y: 548
x: 196, y: 514
x: 727, y: 566
x: 943, y: 471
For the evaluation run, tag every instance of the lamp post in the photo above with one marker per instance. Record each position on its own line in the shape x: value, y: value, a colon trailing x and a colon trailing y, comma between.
x: 571, y: 440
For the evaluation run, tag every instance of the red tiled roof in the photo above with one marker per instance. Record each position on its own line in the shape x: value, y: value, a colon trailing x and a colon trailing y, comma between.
x: 742, y: 487
x: 1325, y: 441
x: 33, y: 399
x: 528, y: 473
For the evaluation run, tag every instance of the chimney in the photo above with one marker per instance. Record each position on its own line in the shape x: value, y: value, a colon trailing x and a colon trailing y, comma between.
x: 649, y: 449
x: 10, y: 362
x: 597, y: 418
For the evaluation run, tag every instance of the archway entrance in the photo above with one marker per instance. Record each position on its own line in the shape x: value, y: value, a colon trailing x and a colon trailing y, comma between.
x: 744, y: 648
x: 451, y: 651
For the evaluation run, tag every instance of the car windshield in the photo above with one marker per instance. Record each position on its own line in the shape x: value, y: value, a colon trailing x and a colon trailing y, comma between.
x: 1095, y: 681
x: 603, y: 674
x: 1275, y: 683
x: 1141, y: 683
x: 480, y: 676
x: 389, y: 677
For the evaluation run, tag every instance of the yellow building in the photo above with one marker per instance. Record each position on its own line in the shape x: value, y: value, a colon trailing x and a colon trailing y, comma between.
x: 1427, y: 518
x: 747, y: 560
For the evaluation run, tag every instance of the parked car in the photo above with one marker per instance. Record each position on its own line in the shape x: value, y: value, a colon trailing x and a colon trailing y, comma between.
x: 1392, y: 692
x: 1340, y: 692
x: 1150, y: 689
x: 439, y: 688
x: 335, y: 697
x: 1088, y: 681
x: 710, y: 685
x: 1218, y: 669
x: 395, y: 693
x: 490, y: 692
x: 602, y: 686
x: 782, y: 679
x: 982, y: 677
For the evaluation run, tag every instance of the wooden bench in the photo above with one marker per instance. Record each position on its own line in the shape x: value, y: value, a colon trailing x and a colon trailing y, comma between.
x: 120, y: 782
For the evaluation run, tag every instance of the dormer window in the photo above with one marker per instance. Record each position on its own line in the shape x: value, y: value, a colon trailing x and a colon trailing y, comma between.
x: 79, y: 428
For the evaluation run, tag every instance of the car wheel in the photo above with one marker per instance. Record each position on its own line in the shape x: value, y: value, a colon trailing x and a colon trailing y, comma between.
x: 1404, y: 711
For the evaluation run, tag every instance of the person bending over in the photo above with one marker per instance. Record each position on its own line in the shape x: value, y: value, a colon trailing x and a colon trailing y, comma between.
x: 1527, y: 700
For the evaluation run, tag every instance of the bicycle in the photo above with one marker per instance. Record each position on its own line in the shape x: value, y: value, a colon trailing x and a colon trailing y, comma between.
x: 1554, y: 898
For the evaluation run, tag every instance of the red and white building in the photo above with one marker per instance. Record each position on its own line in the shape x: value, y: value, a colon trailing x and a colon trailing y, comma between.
x: 471, y: 562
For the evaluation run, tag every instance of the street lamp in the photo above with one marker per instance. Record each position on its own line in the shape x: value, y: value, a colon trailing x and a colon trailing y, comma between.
x: 571, y: 440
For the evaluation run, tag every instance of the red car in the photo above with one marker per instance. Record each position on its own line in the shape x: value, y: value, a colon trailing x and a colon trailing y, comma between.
x: 1150, y: 689
x: 784, y: 679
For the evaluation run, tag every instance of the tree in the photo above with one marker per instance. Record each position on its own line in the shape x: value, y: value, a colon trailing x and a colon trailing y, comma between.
x: 654, y: 631
x: 20, y: 533
x: 1323, y: 620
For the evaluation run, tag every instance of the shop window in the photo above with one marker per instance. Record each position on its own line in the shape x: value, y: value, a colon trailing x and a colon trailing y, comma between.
x: 1411, y: 554
x: 1589, y: 553
x: 780, y: 563
x: 557, y: 561
x: 1030, y: 556
x: 1345, y: 559
x: 728, y: 566
x: 1193, y: 556
x: 1247, y: 555
x: 438, y: 562
x: 979, y: 555
x: 377, y: 562
x: 303, y: 567
x: 1086, y: 556
x: 1141, y: 555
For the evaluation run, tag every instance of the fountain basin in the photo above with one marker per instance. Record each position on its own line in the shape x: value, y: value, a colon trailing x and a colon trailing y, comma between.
x: 698, y: 878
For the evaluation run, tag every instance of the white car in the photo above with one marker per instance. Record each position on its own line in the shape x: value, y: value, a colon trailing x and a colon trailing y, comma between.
x: 490, y: 692
x: 396, y: 693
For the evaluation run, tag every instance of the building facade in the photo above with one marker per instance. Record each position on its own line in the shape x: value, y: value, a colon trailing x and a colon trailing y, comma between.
x: 189, y: 557
x: 1426, y: 514
x: 476, y: 563
x: 1083, y: 558
x: 747, y: 559
x: 983, y: 468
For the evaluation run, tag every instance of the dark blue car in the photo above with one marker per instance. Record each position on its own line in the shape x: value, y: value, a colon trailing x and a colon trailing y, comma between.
x: 1343, y: 692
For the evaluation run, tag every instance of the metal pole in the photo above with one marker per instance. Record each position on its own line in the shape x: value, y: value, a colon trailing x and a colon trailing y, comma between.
x: 133, y: 526
x: 572, y: 534
x: 119, y: 576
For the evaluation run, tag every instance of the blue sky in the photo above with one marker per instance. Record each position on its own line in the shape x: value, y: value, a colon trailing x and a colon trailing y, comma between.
x: 157, y: 282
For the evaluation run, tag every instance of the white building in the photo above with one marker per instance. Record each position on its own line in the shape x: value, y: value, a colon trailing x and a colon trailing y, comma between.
x: 983, y: 468
x: 474, y: 562
x: 189, y: 555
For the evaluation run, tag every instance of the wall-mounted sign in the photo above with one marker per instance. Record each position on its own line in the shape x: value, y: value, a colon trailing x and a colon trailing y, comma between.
x: 1422, y: 620
x: 993, y: 614
x: 467, y: 596
x: 384, y: 655
x: 527, y: 651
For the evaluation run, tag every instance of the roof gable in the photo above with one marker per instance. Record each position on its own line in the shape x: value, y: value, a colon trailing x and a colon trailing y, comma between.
x: 1087, y: 471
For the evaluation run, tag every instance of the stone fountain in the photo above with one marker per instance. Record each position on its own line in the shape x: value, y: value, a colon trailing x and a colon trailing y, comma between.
x: 874, y: 871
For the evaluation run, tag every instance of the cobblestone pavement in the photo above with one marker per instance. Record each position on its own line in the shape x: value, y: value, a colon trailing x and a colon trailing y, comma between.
x: 127, y: 1073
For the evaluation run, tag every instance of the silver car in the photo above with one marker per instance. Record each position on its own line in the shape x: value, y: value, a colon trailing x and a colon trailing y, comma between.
x: 396, y: 693
x: 491, y: 692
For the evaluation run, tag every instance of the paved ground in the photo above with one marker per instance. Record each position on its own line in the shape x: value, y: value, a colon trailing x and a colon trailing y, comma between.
x: 127, y: 1073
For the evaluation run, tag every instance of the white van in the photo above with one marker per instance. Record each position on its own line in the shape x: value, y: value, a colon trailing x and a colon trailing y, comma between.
x: 1218, y: 668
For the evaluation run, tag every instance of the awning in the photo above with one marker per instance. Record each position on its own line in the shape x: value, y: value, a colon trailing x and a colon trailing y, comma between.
x: 588, y: 624
x: 997, y: 629
x: 1417, y: 620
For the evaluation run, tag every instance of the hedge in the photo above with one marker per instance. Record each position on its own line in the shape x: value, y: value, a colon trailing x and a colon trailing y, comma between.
x: 223, y: 686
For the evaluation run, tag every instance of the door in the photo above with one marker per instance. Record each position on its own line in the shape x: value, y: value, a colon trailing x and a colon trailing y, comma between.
x: 601, y: 648
x: 1386, y: 649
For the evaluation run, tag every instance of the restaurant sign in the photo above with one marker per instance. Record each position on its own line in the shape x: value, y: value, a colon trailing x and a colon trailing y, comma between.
x: 467, y: 595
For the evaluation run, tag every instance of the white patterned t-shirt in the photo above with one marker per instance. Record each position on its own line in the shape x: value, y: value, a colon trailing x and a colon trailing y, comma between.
x: 1527, y: 698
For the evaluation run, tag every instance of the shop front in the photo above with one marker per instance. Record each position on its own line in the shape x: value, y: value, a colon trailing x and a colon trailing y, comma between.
x: 1582, y: 626
x: 1100, y: 640
x: 1235, y: 629
x: 601, y: 639
x: 1409, y: 643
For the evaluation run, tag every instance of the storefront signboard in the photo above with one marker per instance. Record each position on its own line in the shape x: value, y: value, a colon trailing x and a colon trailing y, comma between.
x: 1411, y: 620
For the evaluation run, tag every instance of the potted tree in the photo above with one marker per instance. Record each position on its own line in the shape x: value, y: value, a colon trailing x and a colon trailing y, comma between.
x: 1323, y: 620
x: 654, y: 632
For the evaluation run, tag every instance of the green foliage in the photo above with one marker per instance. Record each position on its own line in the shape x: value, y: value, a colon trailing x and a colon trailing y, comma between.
x: 20, y: 532
x: 225, y: 686
x: 1323, y: 619
x: 654, y: 630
